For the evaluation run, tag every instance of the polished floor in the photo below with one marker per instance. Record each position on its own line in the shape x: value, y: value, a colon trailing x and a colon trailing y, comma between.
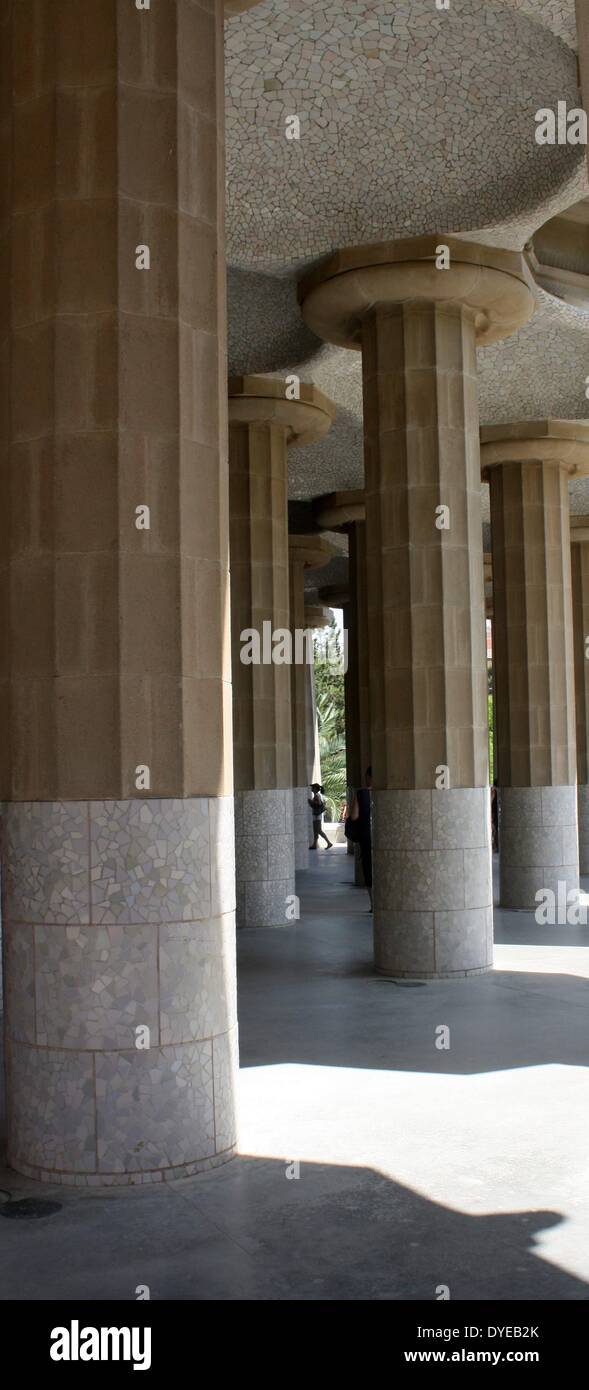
x: 374, y: 1165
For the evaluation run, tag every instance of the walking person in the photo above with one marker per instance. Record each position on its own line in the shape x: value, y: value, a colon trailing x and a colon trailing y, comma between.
x: 495, y: 817
x: 362, y: 813
x: 317, y: 804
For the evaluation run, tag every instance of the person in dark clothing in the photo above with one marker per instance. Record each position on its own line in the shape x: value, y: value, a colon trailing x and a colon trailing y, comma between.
x: 317, y: 805
x: 495, y: 817
x: 362, y: 812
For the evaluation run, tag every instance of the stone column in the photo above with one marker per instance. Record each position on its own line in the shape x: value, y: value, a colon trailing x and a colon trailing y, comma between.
x: 580, y: 593
x: 359, y: 670
x: 317, y: 616
x: 115, y: 696
x: 350, y: 704
x: 306, y: 553
x: 353, y: 760
x: 417, y: 327
x: 528, y: 465
x: 262, y: 425
x: 338, y: 597
x: 313, y: 759
x: 582, y: 17
x: 346, y: 511
x: 359, y: 592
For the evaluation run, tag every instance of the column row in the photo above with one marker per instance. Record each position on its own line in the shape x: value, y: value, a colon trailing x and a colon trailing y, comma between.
x: 271, y: 646
x: 416, y: 320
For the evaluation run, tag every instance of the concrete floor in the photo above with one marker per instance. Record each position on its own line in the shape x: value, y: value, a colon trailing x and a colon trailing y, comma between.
x: 418, y: 1167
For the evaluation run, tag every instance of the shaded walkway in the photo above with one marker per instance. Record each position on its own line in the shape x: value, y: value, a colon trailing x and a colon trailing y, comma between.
x: 417, y: 1167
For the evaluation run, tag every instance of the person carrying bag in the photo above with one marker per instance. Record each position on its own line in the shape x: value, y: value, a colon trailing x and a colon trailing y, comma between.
x: 318, y: 804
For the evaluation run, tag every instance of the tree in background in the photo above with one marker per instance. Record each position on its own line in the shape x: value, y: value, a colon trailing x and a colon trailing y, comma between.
x: 331, y: 719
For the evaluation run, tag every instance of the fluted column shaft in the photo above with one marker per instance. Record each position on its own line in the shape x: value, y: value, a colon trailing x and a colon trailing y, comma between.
x: 307, y: 552
x: 358, y: 658
x: 580, y: 593
x: 115, y: 684
x: 417, y: 314
x: 259, y: 594
x: 528, y: 466
x: 299, y: 682
x: 425, y: 581
x: 533, y: 624
x: 426, y: 639
x: 264, y: 421
x: 261, y: 690
x: 297, y: 675
x: 357, y: 677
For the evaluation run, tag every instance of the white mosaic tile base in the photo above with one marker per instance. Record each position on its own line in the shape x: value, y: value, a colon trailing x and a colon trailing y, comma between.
x: 583, y: 814
x: 303, y: 826
x: 433, y: 899
x: 538, y: 843
x: 120, y: 930
x: 264, y: 857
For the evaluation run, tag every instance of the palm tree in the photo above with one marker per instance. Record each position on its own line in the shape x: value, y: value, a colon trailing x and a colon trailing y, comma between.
x: 332, y: 749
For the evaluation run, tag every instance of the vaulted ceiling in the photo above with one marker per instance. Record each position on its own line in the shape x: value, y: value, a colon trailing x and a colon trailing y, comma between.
x: 412, y: 119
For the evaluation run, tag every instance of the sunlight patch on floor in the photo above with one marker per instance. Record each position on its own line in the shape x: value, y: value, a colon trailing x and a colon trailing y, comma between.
x: 481, y: 1144
x: 543, y: 960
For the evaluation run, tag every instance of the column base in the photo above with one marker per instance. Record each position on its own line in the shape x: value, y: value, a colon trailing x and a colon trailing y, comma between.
x: 583, y: 815
x: 138, y: 1179
x: 264, y: 860
x: 302, y: 827
x: 433, y: 899
x: 538, y: 843
x: 121, y: 1017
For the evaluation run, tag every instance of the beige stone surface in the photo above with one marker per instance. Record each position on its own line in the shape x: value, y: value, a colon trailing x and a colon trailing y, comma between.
x: 582, y: 16
x: 580, y: 594
x: 317, y: 615
x: 533, y: 623
x: 565, y: 442
x: 495, y: 285
x: 338, y: 509
x: 264, y: 399
x: 306, y: 552
x: 118, y: 646
x: 346, y: 511
x: 357, y: 679
x: 425, y: 593
x: 298, y: 673
x: 259, y: 594
x: 310, y: 551
x: 269, y: 698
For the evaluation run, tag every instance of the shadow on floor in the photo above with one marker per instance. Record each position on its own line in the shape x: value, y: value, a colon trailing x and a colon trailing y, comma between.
x: 308, y: 995
x: 246, y: 1231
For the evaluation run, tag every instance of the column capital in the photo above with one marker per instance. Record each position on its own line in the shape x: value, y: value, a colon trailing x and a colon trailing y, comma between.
x: 336, y: 510
x: 262, y: 400
x: 317, y: 615
x: 496, y: 285
x: 313, y: 552
x: 579, y: 528
x: 334, y: 595
x: 562, y: 442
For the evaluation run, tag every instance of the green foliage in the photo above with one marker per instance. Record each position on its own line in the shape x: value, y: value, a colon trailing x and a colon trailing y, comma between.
x: 329, y: 681
x: 331, y: 719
